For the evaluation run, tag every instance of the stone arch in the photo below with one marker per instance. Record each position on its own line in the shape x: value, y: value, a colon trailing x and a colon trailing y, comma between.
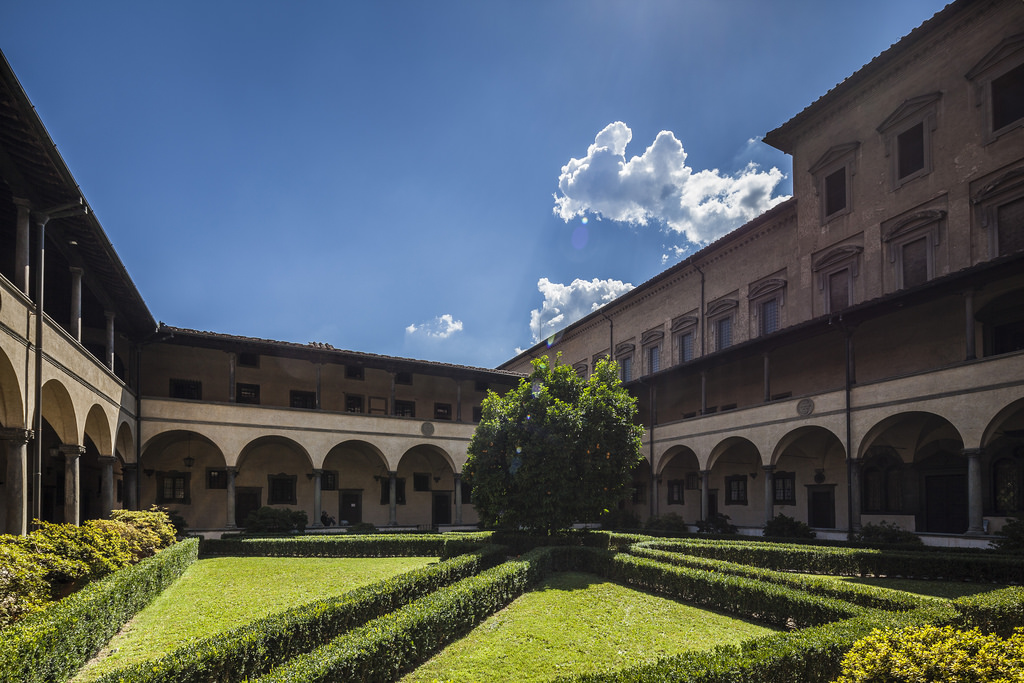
x: 97, y: 428
x: 810, y: 477
x: 124, y: 443
x: 174, y: 471
x: 59, y: 411
x: 1003, y: 478
x: 908, y: 432
x: 12, y: 406
x: 679, y: 488
x: 358, y: 469
x: 428, y: 472
x: 736, y: 486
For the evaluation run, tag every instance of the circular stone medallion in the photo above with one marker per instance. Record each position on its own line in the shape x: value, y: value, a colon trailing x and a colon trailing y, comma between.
x: 805, y: 407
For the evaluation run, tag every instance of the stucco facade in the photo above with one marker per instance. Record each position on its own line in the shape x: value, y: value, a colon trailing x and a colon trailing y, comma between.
x: 853, y: 355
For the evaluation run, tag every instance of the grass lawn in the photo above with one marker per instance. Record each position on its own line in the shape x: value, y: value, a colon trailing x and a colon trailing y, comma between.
x: 221, y: 593
x: 578, y: 623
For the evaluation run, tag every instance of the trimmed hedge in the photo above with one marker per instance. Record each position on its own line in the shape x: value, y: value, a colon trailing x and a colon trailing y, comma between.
x: 397, y: 642
x: 865, y: 596
x: 52, y: 645
x: 811, y: 655
x: 998, y: 612
x: 370, y: 545
x: 251, y: 650
x: 950, y: 566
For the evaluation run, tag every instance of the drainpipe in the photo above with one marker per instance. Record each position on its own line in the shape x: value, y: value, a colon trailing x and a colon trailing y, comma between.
x: 848, y: 338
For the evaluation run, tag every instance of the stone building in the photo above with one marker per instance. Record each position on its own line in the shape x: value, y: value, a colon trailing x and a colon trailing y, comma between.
x: 856, y: 354
x: 853, y: 355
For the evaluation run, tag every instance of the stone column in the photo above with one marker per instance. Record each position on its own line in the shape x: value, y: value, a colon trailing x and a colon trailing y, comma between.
x: 106, y: 485
x: 458, y: 497
x: 231, y: 472
x: 17, y: 479
x: 969, y: 324
x: 76, y: 303
x: 72, y: 483
x: 317, y: 484
x: 130, y: 487
x: 392, y: 498
x: 22, y: 276
x: 769, y: 492
x: 110, y: 340
x: 854, y: 471
x: 705, y: 493
x: 975, y: 517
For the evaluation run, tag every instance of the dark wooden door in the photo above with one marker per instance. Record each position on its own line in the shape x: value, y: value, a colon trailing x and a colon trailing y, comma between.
x: 821, y: 512
x: 351, y: 507
x: 247, y: 501
x: 442, y: 509
x: 945, y: 503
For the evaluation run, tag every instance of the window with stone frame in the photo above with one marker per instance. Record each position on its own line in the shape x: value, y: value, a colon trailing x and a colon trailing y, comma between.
x: 784, y: 484
x: 420, y: 481
x: 998, y: 87
x: 247, y: 393
x: 173, y: 488
x: 216, y: 478
x: 684, y: 332
x: 353, y: 403
x: 721, y: 315
x: 693, y: 481
x: 188, y: 389
x: 911, y: 243
x: 833, y: 180
x: 999, y: 206
x: 302, y: 399
x: 736, y: 490
x: 281, y: 489
x: 767, y: 297
x: 675, y: 491
x: 329, y: 480
x: 624, y: 357
x: 385, y: 491
x: 907, y: 136
x: 442, y: 411
x: 651, y: 342
x: 836, y: 270
x: 405, y: 408
x: 581, y: 369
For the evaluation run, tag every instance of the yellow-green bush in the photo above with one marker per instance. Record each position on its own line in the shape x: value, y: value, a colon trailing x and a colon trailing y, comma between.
x: 154, y: 524
x: 932, y: 653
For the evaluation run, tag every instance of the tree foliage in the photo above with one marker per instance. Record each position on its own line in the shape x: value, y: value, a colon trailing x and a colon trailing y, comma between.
x: 555, y: 450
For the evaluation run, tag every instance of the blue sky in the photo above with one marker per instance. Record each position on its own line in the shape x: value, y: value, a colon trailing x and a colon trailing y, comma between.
x: 445, y: 180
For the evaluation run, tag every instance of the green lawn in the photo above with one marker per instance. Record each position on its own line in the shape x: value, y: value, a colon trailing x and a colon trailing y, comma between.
x: 221, y: 593
x: 578, y: 623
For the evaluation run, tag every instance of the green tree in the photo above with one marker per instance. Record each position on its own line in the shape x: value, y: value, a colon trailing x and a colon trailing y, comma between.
x: 555, y: 450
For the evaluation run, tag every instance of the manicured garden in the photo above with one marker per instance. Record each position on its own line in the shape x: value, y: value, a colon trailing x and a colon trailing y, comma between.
x: 597, y: 606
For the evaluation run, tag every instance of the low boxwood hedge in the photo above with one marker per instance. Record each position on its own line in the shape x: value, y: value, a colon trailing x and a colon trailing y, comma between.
x: 865, y: 596
x: 998, y: 612
x: 397, y: 642
x: 251, y: 650
x: 53, y: 644
x: 338, y: 545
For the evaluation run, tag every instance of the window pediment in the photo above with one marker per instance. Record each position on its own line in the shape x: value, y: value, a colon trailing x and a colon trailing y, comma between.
x: 722, y: 306
x: 1008, y: 181
x: 910, y: 109
x: 1007, y: 48
x: 913, y: 222
x: 833, y: 155
x: 652, y: 336
x: 766, y: 287
x: 837, y: 256
x: 624, y: 348
x: 683, y: 322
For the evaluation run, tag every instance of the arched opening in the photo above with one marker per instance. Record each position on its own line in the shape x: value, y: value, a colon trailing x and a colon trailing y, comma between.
x: 1003, y: 446
x: 351, y: 482
x: 809, y: 480
x: 679, y: 484
x: 277, y: 472
x: 735, y: 488
x: 185, y: 472
x: 426, y: 474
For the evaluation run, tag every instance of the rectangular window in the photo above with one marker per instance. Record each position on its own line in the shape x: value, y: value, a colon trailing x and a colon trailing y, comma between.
x: 405, y: 408
x: 248, y: 359
x: 378, y: 405
x: 173, y: 488
x: 910, y: 151
x: 281, y: 489
x: 353, y: 403
x: 1010, y: 227
x: 835, y: 192
x: 421, y: 481
x: 329, y: 480
x: 686, y: 347
x: 723, y: 333
x: 216, y: 478
x: 385, y: 491
x: 478, y: 413
x: 693, y: 481
x: 914, y: 262
x: 302, y: 399
x: 626, y: 368
x: 785, y: 488
x: 353, y: 372
x: 188, y: 389
x: 403, y: 378
x: 839, y: 290
x: 1008, y: 98
x: 247, y: 393
x: 442, y: 411
x: 736, y: 490
x: 653, y: 354
x: 675, y: 492
x: 769, y: 316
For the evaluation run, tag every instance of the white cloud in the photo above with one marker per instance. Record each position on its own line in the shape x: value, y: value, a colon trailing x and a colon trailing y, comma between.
x: 659, y: 186
x: 565, y: 304
x: 441, y: 327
